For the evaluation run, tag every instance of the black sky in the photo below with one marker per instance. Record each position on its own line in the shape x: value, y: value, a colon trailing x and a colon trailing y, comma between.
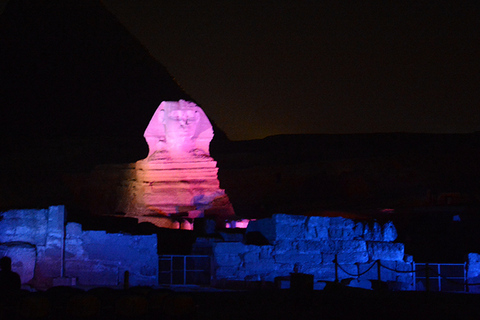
x: 264, y: 67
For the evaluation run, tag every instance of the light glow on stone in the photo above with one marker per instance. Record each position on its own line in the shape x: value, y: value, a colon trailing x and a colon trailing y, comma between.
x: 239, y: 224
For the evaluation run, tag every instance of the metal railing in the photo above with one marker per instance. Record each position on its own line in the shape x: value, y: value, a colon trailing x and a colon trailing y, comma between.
x: 184, y: 270
x: 445, y: 277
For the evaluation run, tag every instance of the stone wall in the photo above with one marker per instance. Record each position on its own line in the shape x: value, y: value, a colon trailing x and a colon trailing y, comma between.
x: 473, y: 272
x: 42, y: 253
x: 33, y: 239
x: 309, y: 245
x: 97, y: 258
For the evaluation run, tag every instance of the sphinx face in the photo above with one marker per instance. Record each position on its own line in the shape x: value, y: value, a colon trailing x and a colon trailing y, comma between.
x: 181, y: 123
x: 178, y: 129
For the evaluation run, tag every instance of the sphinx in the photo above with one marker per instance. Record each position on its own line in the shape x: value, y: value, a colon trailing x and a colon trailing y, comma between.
x: 178, y: 180
x: 178, y: 129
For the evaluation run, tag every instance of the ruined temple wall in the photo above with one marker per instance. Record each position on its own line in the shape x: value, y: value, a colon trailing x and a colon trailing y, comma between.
x: 33, y: 239
x: 97, y: 258
x: 40, y: 253
x: 309, y: 245
x: 473, y: 272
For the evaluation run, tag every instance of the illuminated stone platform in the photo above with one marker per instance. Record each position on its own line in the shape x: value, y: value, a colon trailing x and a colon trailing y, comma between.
x: 178, y: 188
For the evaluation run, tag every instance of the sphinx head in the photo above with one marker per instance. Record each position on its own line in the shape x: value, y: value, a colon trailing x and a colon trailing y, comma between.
x: 180, y: 120
x: 178, y: 129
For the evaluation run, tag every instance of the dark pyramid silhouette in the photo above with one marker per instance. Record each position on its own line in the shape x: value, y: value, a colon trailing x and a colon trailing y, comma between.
x: 76, y: 90
x: 69, y: 68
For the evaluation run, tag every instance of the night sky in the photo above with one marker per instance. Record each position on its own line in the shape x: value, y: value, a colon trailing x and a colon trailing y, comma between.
x: 260, y: 68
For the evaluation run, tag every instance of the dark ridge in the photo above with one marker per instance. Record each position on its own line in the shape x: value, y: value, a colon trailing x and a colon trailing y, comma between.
x: 297, y: 148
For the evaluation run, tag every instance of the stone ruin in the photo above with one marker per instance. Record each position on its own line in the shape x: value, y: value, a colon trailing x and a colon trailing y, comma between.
x: 290, y: 244
x: 45, y: 252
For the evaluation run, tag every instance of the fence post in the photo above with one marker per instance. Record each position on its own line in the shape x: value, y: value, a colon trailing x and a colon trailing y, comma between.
x: 427, y: 277
x: 465, y: 279
x: 336, y: 268
x: 414, y: 276
x: 379, y: 272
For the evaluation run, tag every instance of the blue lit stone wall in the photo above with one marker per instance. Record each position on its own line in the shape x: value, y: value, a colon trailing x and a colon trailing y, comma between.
x: 34, y: 239
x: 97, y: 258
x: 309, y: 245
x: 473, y: 272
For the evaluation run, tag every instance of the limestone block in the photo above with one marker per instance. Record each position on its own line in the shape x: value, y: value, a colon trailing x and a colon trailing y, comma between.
x: 341, y: 228
x: 261, y: 266
x: 229, y: 248
x: 228, y: 260
x: 256, y: 253
x: 324, y: 272
x: 473, y: 258
x: 344, y: 246
x: 56, y: 220
x: 473, y: 266
x: 284, y: 268
x: 23, y: 259
x: 74, y: 249
x: 389, y: 232
x: 352, y: 257
x: 341, y: 223
x: 137, y: 254
x: 344, y: 234
x: 251, y: 257
x: 328, y: 258
x: 266, y: 252
x: 346, y: 257
x: 373, y: 232
x: 311, y: 246
x: 74, y: 230
x: 290, y: 220
x: 289, y: 226
x: 358, y: 230
x: 47, y: 267
x: 24, y: 225
x: 93, y: 272
x: 309, y: 267
x: 118, y: 247
x: 252, y: 254
x: 317, y: 228
x: 282, y: 246
x: 298, y: 258
x: 290, y: 232
x: 385, y: 251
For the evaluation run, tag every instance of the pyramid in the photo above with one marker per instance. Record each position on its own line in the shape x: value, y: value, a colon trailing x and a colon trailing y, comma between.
x: 76, y: 90
x: 70, y: 68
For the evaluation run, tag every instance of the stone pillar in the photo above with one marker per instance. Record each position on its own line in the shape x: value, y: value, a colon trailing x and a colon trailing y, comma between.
x: 49, y: 257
